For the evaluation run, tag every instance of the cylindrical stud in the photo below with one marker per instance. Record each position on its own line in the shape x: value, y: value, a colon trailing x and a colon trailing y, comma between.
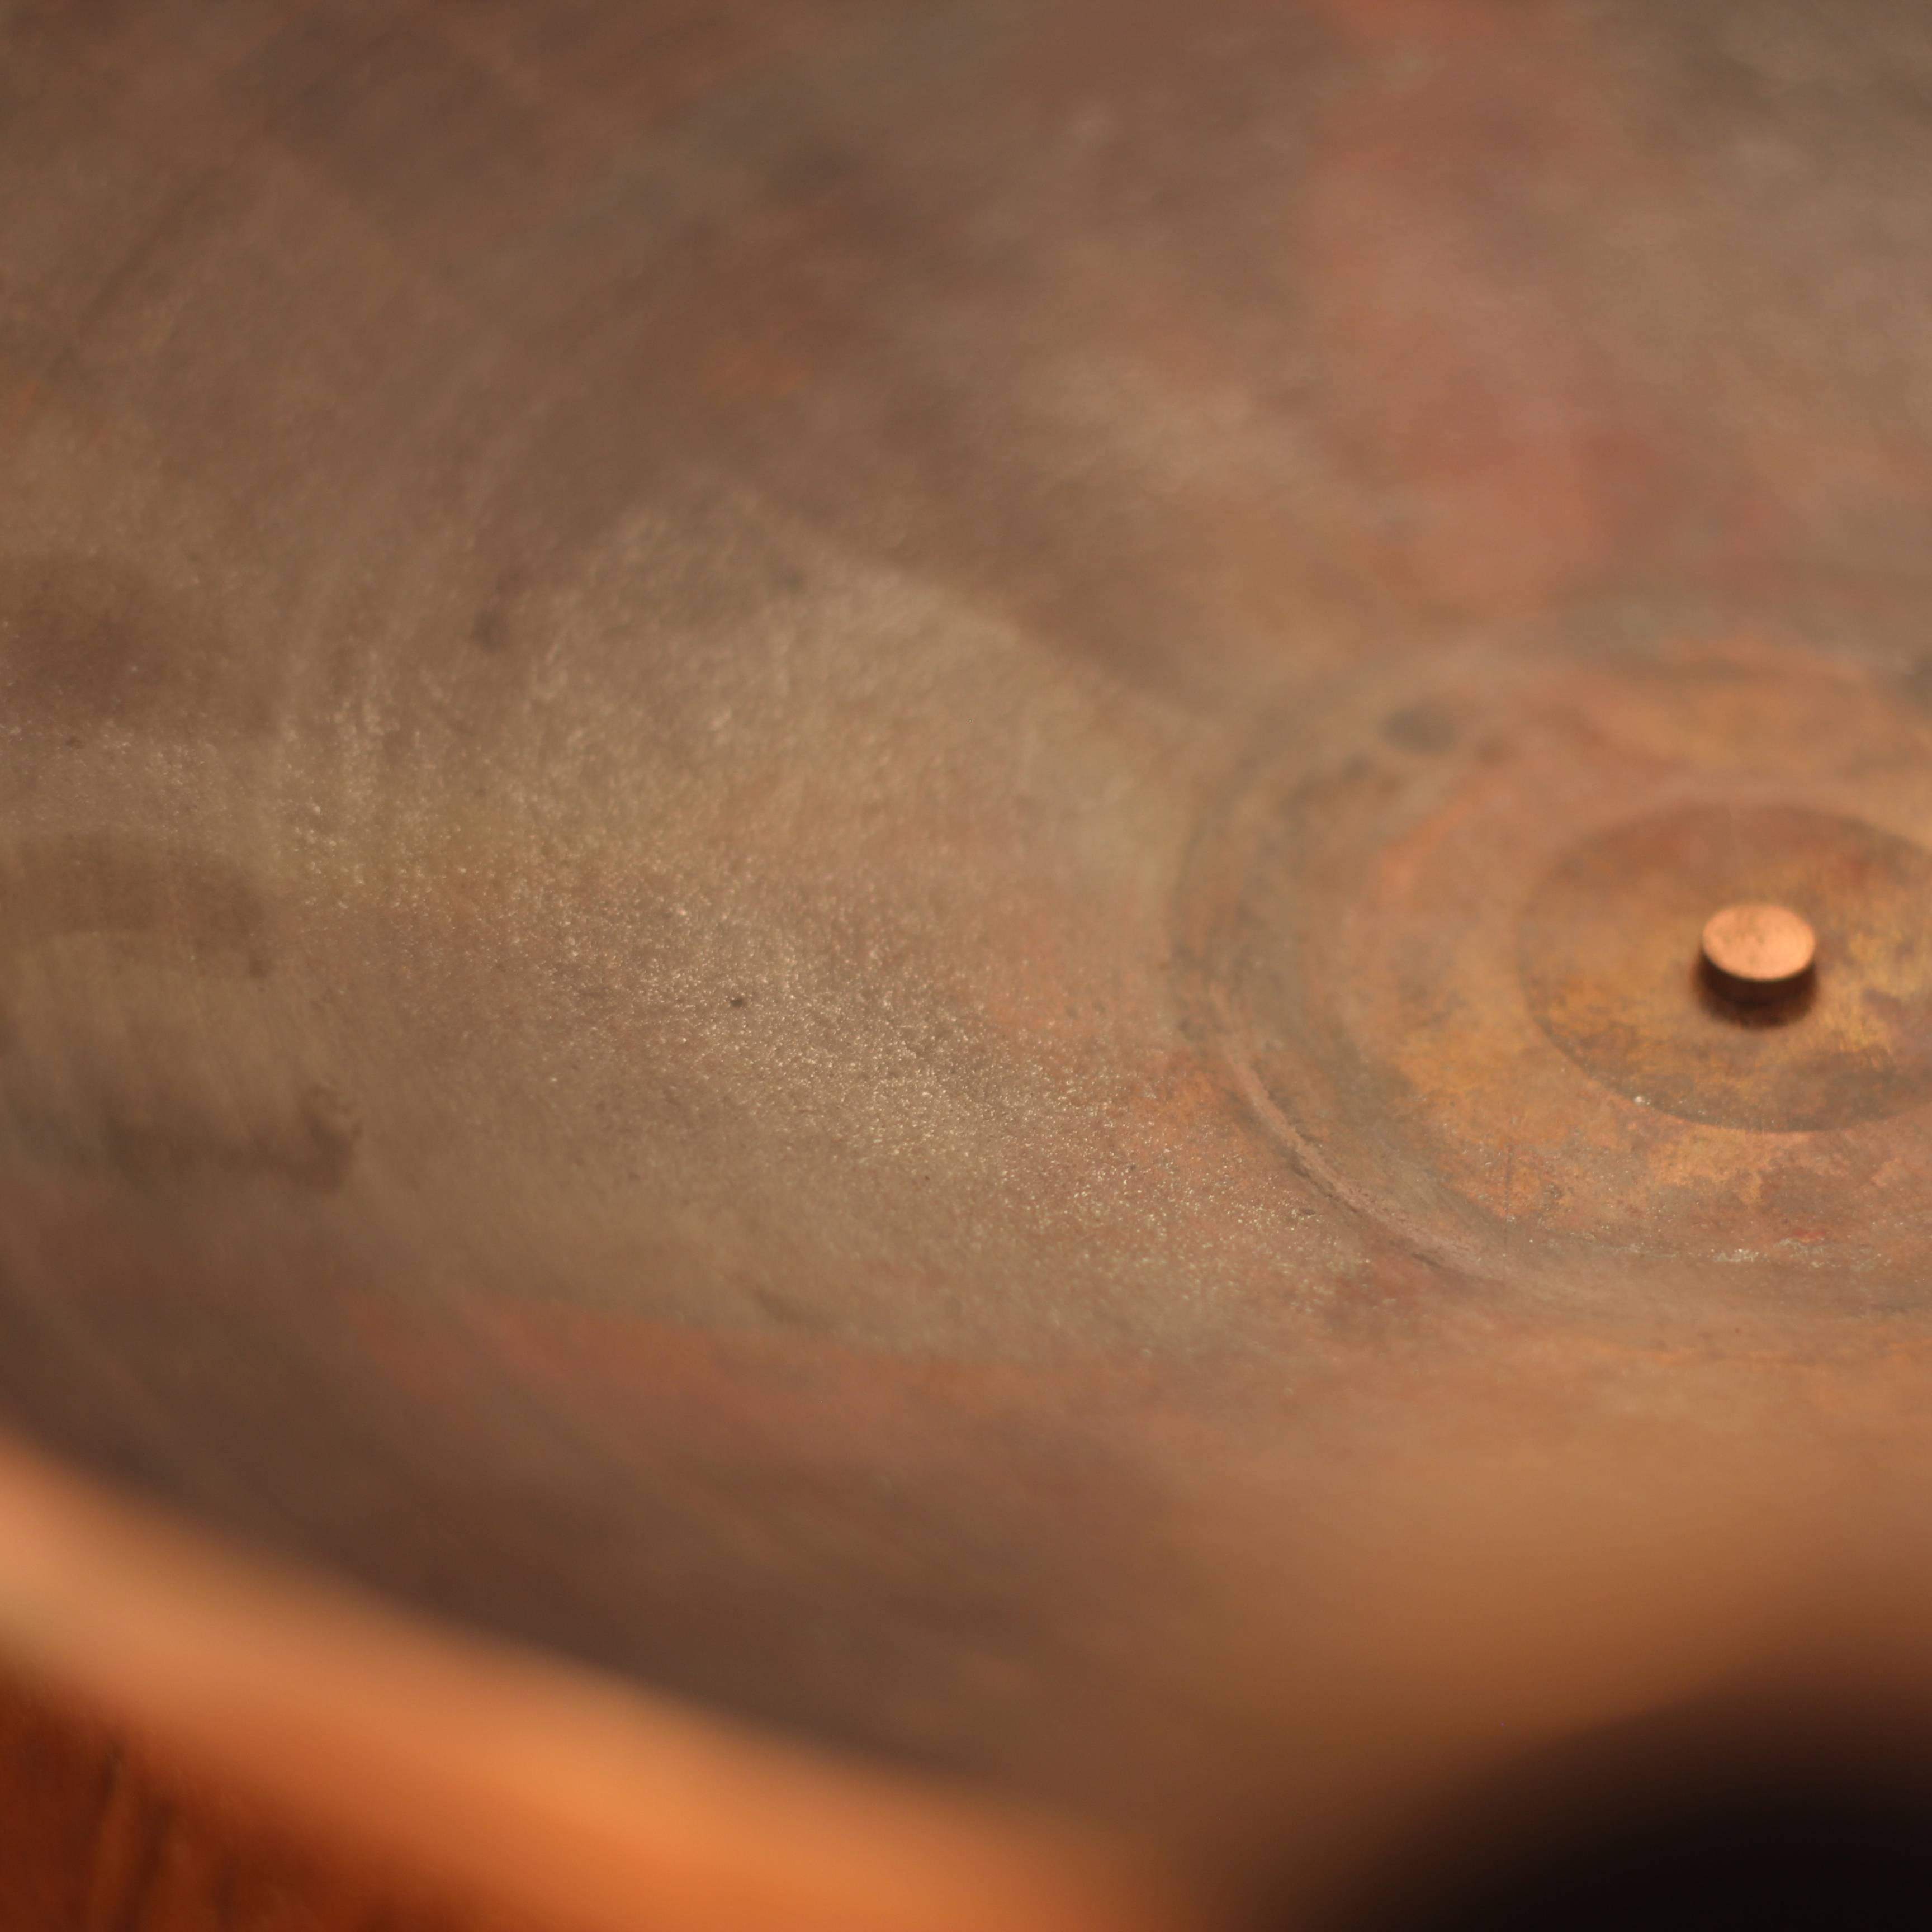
x: 1755, y: 954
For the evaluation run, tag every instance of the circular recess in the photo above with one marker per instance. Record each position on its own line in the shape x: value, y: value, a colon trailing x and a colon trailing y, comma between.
x: 1609, y: 946
x: 1447, y: 929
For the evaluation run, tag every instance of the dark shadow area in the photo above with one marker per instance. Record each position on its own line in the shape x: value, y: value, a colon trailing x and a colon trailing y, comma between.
x: 1773, y: 1819
x: 1725, y: 999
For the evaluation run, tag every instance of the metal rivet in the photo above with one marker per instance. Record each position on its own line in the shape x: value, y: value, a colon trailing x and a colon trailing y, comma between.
x: 1759, y: 952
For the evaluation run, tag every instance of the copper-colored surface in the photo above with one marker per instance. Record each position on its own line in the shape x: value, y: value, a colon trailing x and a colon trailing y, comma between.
x: 1760, y: 951
x: 1769, y: 944
x: 850, y: 852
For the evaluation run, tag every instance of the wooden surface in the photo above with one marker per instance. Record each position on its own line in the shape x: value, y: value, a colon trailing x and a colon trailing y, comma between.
x: 94, y: 1836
